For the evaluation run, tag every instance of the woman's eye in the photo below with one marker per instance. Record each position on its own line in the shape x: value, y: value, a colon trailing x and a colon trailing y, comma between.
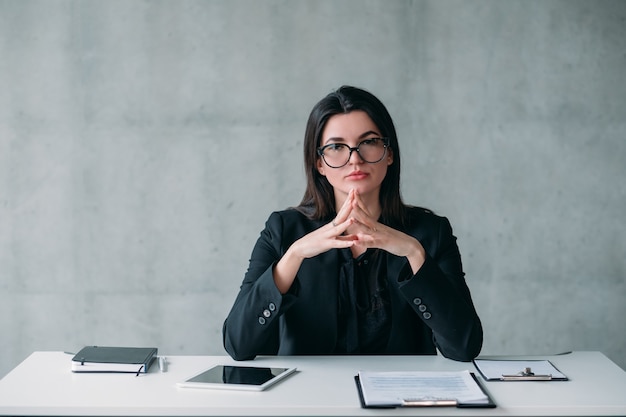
x: 370, y: 142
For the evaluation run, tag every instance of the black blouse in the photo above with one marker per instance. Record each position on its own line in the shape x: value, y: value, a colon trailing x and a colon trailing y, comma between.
x: 364, y: 303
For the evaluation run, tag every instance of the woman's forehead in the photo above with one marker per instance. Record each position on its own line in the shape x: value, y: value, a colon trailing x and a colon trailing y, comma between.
x: 346, y: 126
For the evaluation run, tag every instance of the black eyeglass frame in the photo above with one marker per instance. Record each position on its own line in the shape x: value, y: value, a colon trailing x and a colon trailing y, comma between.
x: 320, y: 151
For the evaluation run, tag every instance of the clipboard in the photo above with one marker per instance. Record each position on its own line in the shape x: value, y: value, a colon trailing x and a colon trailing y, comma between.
x: 429, y: 402
x: 518, y: 370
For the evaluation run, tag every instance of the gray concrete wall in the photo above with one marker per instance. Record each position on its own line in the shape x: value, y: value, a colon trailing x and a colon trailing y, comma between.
x: 144, y: 143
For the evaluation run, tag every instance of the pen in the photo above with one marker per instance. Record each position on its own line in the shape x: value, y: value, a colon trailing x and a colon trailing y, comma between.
x: 162, y: 363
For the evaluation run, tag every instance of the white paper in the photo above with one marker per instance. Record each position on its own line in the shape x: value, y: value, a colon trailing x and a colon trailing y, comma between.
x: 494, y: 369
x: 396, y: 388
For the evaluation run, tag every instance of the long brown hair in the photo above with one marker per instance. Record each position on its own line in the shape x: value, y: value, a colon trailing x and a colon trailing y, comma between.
x: 318, y: 202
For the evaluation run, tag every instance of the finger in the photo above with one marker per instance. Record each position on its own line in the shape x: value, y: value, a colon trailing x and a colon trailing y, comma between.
x: 362, y: 229
x: 343, y: 241
x: 341, y: 244
x: 358, y: 202
x: 364, y: 218
x: 347, y: 238
x: 365, y: 240
x: 340, y: 228
x: 345, y: 210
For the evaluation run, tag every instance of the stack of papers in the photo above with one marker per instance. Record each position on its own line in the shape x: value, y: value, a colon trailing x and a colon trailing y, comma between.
x: 421, y: 388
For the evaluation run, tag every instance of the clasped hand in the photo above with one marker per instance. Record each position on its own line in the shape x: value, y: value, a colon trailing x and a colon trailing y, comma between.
x: 355, y: 226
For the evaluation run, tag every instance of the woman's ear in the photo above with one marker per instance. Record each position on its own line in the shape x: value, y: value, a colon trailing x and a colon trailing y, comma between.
x: 389, y: 157
x: 320, y: 167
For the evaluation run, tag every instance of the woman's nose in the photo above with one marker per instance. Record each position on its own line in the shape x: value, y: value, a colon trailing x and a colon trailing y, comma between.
x: 355, y: 157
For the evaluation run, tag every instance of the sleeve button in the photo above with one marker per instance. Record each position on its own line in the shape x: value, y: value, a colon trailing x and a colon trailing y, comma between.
x: 427, y: 315
x: 261, y: 320
x: 417, y: 301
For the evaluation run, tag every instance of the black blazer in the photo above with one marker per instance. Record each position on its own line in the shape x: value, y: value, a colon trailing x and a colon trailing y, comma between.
x: 431, y: 309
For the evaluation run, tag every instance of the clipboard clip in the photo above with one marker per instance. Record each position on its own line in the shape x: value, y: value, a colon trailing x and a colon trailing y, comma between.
x: 428, y: 402
x: 526, y: 375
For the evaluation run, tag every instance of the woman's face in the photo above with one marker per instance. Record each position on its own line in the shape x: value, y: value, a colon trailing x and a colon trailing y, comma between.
x: 352, y: 129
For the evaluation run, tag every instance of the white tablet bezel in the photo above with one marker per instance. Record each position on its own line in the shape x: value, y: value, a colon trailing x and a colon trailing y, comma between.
x: 237, y: 386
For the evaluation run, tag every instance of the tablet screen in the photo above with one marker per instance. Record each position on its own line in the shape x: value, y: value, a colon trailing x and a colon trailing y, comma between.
x: 237, y: 377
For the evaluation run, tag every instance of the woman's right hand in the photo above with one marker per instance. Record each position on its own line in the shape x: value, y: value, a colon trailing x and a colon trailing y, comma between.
x: 329, y: 236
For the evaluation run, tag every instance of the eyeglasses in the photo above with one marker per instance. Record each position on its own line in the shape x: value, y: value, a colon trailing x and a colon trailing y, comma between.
x: 370, y: 150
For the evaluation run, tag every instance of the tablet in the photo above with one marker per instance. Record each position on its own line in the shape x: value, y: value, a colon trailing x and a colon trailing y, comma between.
x: 250, y: 378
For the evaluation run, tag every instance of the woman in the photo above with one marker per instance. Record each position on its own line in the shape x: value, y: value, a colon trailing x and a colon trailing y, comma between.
x: 352, y: 269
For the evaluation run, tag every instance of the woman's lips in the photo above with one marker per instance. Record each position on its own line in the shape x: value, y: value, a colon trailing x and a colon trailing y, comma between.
x: 357, y: 175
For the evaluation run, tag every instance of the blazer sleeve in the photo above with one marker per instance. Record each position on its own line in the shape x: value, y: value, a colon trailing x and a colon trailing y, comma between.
x: 440, y: 297
x: 251, y: 327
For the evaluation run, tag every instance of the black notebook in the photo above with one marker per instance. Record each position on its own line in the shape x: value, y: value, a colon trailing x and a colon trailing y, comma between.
x: 114, y: 359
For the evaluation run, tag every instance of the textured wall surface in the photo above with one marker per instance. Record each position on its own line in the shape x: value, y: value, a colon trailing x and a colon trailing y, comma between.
x: 144, y: 143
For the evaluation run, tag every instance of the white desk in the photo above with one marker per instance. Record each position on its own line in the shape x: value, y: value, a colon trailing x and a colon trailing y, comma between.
x: 324, y: 386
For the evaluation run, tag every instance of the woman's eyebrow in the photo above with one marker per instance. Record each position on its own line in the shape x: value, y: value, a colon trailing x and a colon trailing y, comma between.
x: 335, y: 139
x: 361, y: 136
x: 370, y: 132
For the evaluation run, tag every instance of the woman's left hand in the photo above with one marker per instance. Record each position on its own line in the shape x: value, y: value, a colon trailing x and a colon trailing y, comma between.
x: 372, y: 234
